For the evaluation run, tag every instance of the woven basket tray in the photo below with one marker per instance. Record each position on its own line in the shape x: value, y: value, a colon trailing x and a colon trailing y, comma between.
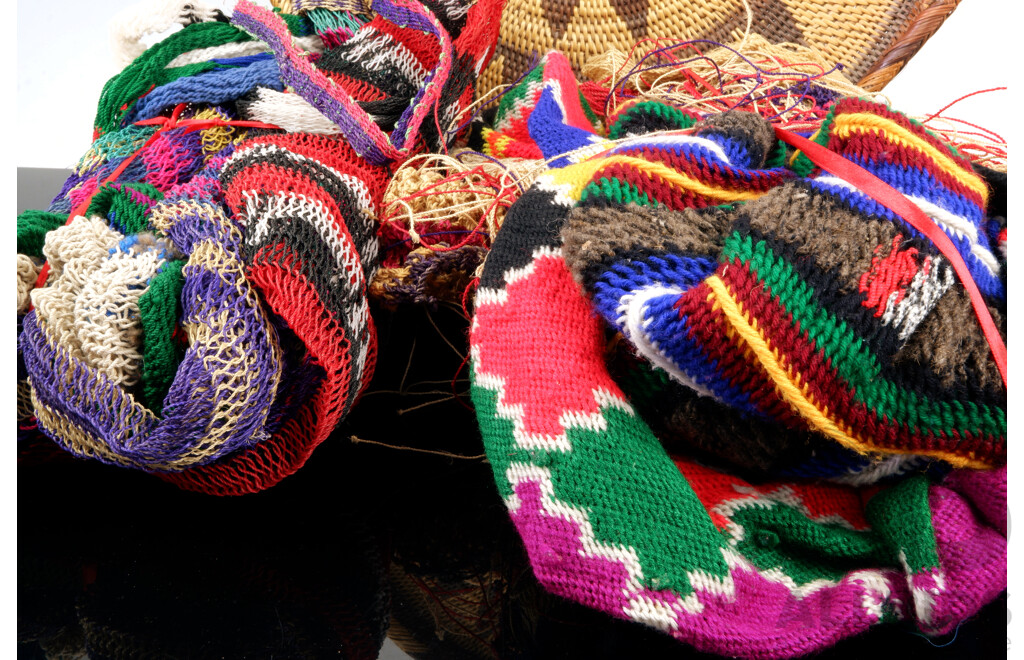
x: 873, y: 39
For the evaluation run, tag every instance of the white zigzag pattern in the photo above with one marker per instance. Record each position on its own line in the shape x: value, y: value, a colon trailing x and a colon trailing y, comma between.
x: 312, y: 212
x: 568, y: 419
x: 664, y: 615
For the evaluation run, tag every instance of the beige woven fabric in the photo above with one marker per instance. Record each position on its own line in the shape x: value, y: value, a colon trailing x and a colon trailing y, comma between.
x: 854, y: 34
x: 107, y: 319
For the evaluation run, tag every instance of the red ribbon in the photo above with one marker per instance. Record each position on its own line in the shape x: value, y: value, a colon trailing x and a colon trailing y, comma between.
x: 164, y: 124
x: 884, y: 194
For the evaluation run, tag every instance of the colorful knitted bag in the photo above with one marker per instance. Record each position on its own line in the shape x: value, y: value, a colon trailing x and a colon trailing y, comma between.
x: 612, y: 521
x: 107, y: 323
x: 816, y: 307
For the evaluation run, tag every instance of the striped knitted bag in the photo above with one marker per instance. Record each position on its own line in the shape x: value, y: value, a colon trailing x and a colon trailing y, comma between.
x: 820, y: 309
x: 609, y: 520
x: 550, y: 88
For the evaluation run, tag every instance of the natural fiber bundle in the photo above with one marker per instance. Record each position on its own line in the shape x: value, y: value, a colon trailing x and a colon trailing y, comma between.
x: 787, y: 83
x: 440, y: 215
x: 856, y: 35
x: 610, y: 519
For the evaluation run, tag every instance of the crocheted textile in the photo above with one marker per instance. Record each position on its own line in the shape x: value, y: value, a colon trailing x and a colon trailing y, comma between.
x: 232, y: 352
x: 514, y: 135
x: 887, y: 388
x: 411, y: 62
x: 611, y: 521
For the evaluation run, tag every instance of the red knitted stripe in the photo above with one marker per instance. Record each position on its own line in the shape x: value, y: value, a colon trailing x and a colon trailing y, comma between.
x: 360, y: 90
x: 654, y: 187
x: 284, y: 289
x: 480, y: 32
x: 828, y: 388
x: 709, y: 172
x: 855, y: 105
x: 334, y: 153
x: 709, y: 327
x: 424, y: 47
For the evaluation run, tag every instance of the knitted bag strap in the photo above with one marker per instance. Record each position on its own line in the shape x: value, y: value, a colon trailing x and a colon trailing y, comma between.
x: 357, y: 125
x: 149, y: 70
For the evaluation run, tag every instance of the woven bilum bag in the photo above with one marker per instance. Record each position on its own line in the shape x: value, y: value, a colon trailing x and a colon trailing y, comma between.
x: 730, y: 395
x: 873, y: 40
x: 179, y: 331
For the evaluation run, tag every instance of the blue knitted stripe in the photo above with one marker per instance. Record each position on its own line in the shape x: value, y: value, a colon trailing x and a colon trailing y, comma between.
x: 665, y: 327
x: 214, y: 87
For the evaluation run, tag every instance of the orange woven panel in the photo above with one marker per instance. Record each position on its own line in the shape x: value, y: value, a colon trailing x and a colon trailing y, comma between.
x: 855, y: 34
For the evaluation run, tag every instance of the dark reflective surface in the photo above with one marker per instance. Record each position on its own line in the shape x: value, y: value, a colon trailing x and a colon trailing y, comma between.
x: 365, y: 540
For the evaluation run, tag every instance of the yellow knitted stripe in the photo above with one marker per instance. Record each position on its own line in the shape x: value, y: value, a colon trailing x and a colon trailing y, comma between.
x: 862, y: 121
x: 580, y: 174
x: 790, y: 388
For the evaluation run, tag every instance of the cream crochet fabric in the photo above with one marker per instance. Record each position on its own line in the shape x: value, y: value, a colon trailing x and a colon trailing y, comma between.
x: 91, y: 305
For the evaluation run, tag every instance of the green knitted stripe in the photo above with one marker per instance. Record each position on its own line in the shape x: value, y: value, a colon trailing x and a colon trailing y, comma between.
x: 588, y: 112
x: 777, y: 156
x: 121, y: 209
x: 149, y: 70
x: 158, y: 312
x: 902, y: 515
x: 614, y: 190
x: 517, y: 95
x: 662, y: 110
x: 803, y: 165
x: 326, y: 20
x: 850, y: 356
x: 624, y: 463
x: 298, y: 24
x: 32, y: 229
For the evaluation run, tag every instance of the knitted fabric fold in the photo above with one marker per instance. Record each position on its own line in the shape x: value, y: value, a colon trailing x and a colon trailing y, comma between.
x: 809, y: 305
x: 410, y: 71
x: 81, y: 380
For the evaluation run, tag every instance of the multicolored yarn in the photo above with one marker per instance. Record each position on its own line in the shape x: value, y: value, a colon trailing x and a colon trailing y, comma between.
x: 922, y: 167
x: 232, y: 354
x: 747, y: 315
x: 308, y: 206
x: 438, y: 84
x: 564, y: 118
x: 609, y: 520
